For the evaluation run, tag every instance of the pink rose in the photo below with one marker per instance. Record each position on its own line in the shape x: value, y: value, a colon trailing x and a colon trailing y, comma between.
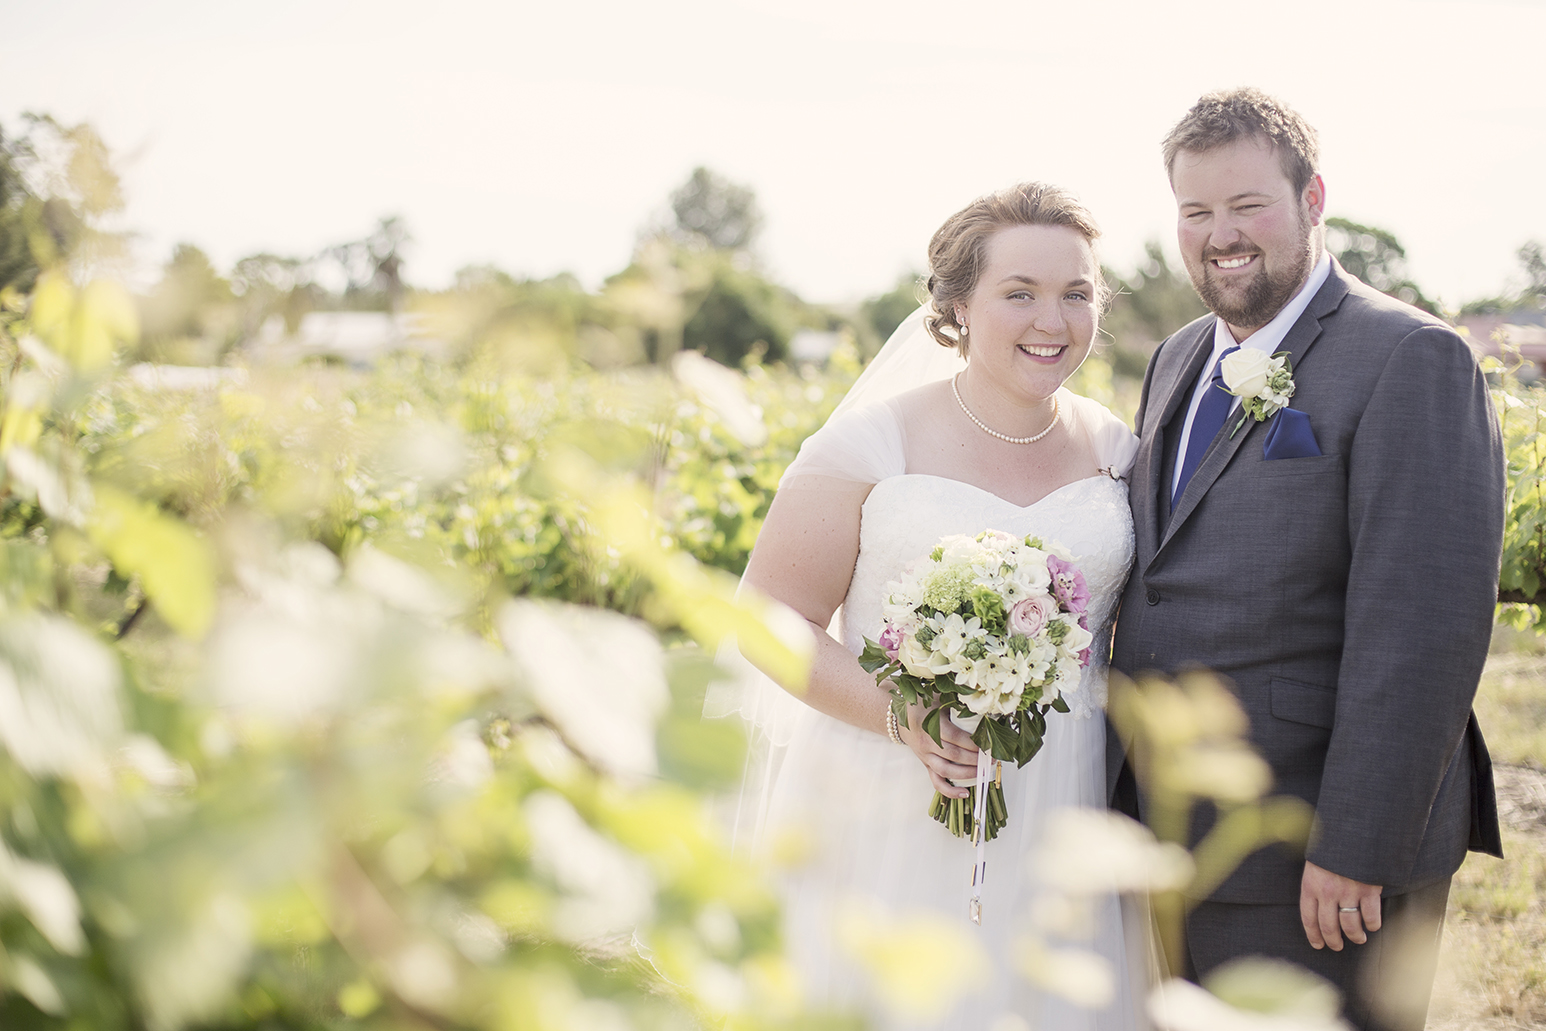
x: 1030, y: 615
x: 1068, y: 585
x: 891, y: 641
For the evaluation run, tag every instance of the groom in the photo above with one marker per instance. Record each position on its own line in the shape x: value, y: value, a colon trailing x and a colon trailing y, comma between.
x: 1337, y: 562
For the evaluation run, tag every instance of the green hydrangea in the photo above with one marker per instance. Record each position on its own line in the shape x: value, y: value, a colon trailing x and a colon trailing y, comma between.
x: 947, y: 588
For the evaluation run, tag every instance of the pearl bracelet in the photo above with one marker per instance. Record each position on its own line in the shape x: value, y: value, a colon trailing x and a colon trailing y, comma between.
x: 893, y: 731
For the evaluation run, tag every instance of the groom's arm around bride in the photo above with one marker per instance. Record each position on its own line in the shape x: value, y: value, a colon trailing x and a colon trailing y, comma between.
x: 1337, y: 562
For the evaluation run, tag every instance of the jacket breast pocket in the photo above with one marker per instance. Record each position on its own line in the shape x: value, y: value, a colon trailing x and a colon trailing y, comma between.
x: 1303, y: 703
x: 1318, y: 465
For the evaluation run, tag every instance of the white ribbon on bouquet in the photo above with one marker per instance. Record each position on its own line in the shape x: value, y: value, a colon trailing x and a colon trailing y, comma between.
x: 979, y: 817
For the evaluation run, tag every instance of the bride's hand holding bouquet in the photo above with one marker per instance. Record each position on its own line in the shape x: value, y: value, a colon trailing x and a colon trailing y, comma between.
x: 990, y: 633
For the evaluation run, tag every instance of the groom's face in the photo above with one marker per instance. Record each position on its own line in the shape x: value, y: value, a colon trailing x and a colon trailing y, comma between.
x: 1247, y: 236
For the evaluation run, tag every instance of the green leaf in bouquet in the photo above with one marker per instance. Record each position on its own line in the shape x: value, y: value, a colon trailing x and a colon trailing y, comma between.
x: 1005, y: 742
x: 1033, y: 728
x: 982, y: 736
x: 899, y: 707
x: 873, y: 657
x: 1060, y: 704
x: 931, y: 725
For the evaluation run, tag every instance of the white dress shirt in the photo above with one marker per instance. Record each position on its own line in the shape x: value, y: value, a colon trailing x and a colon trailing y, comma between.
x: 1265, y: 339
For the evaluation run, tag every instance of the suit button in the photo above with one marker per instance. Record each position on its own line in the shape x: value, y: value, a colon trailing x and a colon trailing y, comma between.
x: 1152, y: 597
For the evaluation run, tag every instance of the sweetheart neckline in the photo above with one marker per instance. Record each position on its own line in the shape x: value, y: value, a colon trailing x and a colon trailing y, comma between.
x: 983, y: 490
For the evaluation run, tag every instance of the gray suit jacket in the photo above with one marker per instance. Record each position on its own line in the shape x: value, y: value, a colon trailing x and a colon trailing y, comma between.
x: 1348, y: 598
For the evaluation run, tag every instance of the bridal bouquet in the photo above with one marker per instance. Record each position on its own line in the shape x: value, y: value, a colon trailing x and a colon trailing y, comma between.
x: 990, y: 631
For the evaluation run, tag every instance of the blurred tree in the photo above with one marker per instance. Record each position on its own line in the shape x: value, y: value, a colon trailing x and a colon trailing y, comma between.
x: 1532, y: 295
x: 715, y: 211
x: 1146, y: 308
x: 20, y: 217
x: 1376, y: 257
x: 1533, y: 258
x: 188, y: 317
x: 274, y: 284
x: 57, y: 184
x: 882, y: 314
x: 372, y: 267
x: 694, y: 285
x: 741, y: 315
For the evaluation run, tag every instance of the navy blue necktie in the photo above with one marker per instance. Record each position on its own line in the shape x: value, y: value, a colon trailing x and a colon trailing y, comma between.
x: 1211, y: 412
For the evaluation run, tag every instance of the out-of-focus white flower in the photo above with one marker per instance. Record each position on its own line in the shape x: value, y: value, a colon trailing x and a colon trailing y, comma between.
x: 188, y: 974
x: 430, y: 452
x: 1082, y: 977
x: 1230, y: 772
x: 60, y: 495
x: 144, y: 755
x: 424, y: 973
x: 1094, y: 851
x: 29, y: 979
x: 478, y: 937
x: 59, y: 706
x: 606, y: 889
x: 278, y: 666
x: 400, y: 584
x: 46, y: 897
x: 1282, y: 997
x: 597, y: 675
x: 893, y: 948
x: 724, y: 392
x: 463, y: 759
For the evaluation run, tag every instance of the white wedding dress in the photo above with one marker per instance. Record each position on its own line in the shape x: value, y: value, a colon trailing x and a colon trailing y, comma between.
x: 850, y: 806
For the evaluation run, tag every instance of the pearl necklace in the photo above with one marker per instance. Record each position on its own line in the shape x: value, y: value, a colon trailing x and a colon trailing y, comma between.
x: 956, y: 390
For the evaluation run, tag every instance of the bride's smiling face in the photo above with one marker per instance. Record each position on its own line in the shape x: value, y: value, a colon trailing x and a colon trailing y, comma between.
x: 1033, y: 314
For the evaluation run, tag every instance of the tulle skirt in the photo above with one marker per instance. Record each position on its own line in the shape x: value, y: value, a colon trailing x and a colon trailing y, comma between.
x: 847, y: 825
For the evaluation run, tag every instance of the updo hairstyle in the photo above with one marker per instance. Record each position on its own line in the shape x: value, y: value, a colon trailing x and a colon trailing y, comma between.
x: 959, y: 248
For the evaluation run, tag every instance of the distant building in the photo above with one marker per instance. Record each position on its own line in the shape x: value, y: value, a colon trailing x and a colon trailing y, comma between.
x: 812, y: 345
x: 357, y: 337
x: 1521, y: 331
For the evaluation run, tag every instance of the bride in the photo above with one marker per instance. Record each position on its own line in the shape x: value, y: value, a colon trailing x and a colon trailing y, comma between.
x: 922, y: 447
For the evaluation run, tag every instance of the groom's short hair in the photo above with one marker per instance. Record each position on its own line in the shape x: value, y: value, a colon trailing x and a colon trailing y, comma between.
x: 1220, y: 118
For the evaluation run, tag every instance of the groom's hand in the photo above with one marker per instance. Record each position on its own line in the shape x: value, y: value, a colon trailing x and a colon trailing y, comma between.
x: 1327, y: 903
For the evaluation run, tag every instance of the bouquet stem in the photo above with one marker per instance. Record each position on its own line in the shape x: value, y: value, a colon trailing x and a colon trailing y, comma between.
x: 956, y: 813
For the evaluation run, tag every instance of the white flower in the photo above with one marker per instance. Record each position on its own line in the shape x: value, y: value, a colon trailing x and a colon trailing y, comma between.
x: 1077, y: 638
x: 920, y: 661
x: 1246, y: 372
x: 954, y: 635
x: 959, y: 550
x: 1263, y: 383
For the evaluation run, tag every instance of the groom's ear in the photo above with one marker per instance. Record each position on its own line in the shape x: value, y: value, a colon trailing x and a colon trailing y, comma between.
x: 1315, y: 198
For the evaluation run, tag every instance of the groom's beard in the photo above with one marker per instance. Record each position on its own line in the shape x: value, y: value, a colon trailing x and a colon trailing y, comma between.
x: 1266, y: 293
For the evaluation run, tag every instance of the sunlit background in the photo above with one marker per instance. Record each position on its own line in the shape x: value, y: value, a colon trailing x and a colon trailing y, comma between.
x: 390, y: 396
x: 541, y: 137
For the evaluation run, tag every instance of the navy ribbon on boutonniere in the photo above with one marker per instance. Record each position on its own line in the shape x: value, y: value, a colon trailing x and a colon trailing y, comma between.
x: 1290, y: 436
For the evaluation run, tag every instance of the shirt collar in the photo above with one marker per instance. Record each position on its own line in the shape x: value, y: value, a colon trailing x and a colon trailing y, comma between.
x: 1271, y: 335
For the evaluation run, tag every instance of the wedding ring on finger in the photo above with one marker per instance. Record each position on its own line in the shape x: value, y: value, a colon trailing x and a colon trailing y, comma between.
x: 1349, y: 909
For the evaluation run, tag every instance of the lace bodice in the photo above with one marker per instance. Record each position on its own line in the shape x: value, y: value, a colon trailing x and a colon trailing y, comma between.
x: 904, y: 516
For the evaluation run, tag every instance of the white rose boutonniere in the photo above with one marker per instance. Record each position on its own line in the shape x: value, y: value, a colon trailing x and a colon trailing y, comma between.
x: 1263, y: 384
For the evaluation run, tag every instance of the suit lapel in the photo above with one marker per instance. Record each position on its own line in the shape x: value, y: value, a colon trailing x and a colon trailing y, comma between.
x: 1170, y: 396
x: 1224, y: 447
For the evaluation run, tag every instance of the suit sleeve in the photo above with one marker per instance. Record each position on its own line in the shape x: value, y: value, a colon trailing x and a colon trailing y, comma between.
x: 1425, y: 521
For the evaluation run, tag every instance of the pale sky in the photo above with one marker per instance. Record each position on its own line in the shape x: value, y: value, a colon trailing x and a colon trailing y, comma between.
x: 540, y: 137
